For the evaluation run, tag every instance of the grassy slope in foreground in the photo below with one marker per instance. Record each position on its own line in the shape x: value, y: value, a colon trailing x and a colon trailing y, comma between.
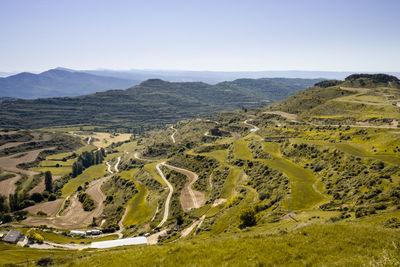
x: 344, y: 244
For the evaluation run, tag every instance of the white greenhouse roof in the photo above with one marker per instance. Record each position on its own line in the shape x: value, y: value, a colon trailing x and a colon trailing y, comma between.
x: 141, y: 240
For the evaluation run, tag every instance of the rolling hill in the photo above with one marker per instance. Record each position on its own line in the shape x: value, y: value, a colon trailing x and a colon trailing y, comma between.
x: 312, y: 179
x: 57, y: 83
x: 151, y: 102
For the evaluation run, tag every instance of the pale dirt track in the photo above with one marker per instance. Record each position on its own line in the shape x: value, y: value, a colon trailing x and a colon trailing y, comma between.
x: 50, y: 208
x: 8, y: 187
x: 10, y: 163
x: 254, y: 129
x: 74, y: 216
x: 171, y: 190
x: 109, y: 167
x: 40, y: 187
x: 116, y: 165
x: 172, y: 135
x: 190, y: 199
x: 195, y: 224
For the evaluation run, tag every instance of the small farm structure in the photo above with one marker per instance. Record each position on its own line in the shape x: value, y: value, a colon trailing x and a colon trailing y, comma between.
x: 75, y: 232
x: 12, y: 237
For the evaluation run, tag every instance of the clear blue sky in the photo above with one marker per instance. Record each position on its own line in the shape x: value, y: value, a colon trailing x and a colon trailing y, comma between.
x: 232, y: 35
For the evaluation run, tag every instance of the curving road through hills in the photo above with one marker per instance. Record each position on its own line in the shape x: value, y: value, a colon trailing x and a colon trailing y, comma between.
x: 190, y: 199
x: 172, y: 135
x: 171, y: 190
x: 254, y: 129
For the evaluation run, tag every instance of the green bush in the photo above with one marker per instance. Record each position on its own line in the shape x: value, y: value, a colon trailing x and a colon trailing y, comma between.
x: 87, y: 202
x: 33, y: 235
x: 247, y: 218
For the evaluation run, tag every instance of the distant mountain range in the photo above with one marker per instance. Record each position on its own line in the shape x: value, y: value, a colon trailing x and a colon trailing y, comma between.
x: 62, y: 82
x: 213, y: 77
x: 56, y: 83
x: 151, y: 102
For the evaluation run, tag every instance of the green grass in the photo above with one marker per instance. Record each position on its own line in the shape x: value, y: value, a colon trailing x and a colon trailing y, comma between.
x: 62, y: 239
x: 359, y: 152
x: 11, y: 254
x: 241, y: 150
x: 230, y: 183
x: 301, y: 181
x: 88, y: 175
x: 314, y: 245
x: 151, y: 169
x: 220, y: 155
x: 140, y: 210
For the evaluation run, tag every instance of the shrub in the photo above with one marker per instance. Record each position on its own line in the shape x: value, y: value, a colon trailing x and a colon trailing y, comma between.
x: 52, y: 197
x: 45, y: 261
x: 37, y: 197
x: 41, y: 213
x: 247, y: 218
x: 33, y: 235
x: 392, y: 223
x: 87, y: 202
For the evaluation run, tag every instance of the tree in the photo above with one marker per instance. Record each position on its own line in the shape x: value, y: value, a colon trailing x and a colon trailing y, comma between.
x: 248, y: 217
x: 13, y: 202
x: 48, y: 181
x: 37, y: 197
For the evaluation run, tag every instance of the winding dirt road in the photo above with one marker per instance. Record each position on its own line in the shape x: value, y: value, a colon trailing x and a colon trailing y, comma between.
x: 190, y: 199
x: 254, y: 129
x: 172, y: 135
x: 171, y: 190
x: 117, y: 164
x: 109, y: 167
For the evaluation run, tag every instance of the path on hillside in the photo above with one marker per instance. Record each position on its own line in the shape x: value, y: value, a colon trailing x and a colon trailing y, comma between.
x: 116, y: 165
x: 136, y: 155
x: 171, y: 190
x: 89, y: 139
x: 254, y: 129
x: 172, y: 135
x: 189, y: 229
x: 190, y: 199
x: 109, y: 167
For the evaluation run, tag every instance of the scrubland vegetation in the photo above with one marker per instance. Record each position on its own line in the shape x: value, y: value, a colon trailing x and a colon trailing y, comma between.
x: 317, y: 184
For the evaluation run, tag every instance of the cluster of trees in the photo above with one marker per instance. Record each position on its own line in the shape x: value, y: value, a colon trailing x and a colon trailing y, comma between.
x: 378, y: 78
x: 87, y: 202
x: 328, y: 83
x: 87, y: 159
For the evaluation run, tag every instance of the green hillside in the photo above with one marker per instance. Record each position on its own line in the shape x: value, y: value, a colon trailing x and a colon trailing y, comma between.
x: 313, y: 179
x: 150, y: 103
